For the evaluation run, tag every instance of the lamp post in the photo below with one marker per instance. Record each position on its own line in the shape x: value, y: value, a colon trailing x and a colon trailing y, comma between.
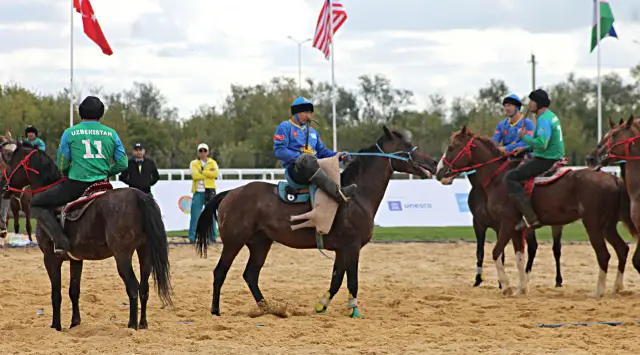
x: 299, y: 43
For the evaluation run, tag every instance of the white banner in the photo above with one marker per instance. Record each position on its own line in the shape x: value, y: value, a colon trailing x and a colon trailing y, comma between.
x: 407, y: 203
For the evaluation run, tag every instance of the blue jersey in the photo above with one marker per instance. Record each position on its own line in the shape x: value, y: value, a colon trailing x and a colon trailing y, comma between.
x: 289, y: 141
x: 508, y: 134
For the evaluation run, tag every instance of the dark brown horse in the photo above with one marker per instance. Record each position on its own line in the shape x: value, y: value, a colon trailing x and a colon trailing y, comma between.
x: 483, y: 220
x: 117, y: 223
x: 254, y: 215
x: 619, y: 144
x: 21, y: 201
x: 599, y: 199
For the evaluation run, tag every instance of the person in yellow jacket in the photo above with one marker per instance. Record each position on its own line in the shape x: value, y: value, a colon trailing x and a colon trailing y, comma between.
x: 204, y: 172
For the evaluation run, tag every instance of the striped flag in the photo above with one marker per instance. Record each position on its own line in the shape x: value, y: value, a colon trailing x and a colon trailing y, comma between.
x: 322, y: 38
x: 606, y: 22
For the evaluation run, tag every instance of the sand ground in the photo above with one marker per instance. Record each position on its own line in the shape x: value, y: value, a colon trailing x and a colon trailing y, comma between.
x: 417, y: 298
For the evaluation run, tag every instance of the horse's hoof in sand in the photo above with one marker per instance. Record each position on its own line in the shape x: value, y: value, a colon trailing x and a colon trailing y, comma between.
x: 354, y: 313
x: 508, y: 291
x: 478, y: 280
x: 596, y: 294
x: 522, y: 291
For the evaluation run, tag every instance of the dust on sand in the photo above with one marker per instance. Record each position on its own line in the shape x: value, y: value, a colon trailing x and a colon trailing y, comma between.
x: 417, y: 298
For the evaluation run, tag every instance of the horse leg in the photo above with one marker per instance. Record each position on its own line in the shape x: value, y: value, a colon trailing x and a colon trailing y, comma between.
x: 636, y: 257
x: 622, y: 251
x: 352, y: 258
x: 145, y: 271
x: 336, y: 281
x: 532, y: 250
x: 53, y: 265
x: 481, y: 235
x: 504, y: 236
x: 125, y: 270
x: 16, y: 218
x: 27, y: 216
x: 518, y: 247
x: 259, y: 247
x: 595, y: 231
x: 74, y: 290
x: 229, y: 253
x: 557, y: 252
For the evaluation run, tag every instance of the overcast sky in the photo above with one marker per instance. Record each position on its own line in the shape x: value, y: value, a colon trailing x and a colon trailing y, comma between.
x: 195, y: 49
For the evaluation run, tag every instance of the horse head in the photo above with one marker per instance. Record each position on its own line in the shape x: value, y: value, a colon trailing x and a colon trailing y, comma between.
x: 408, y: 159
x: 615, y: 144
x: 26, y: 165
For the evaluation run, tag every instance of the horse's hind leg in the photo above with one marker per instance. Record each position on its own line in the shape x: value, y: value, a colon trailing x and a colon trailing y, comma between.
x: 125, y: 269
x: 532, y: 249
x: 352, y: 257
x: 595, y: 232
x: 481, y: 234
x: 53, y: 264
x: 229, y: 253
x: 15, y: 210
x: 27, y: 216
x: 74, y: 290
x: 336, y: 281
x: 557, y: 252
x: 145, y: 271
x: 622, y: 251
x: 259, y: 247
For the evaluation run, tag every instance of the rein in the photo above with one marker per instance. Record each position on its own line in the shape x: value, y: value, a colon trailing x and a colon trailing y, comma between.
x: 394, y: 155
x: 24, y: 163
x: 627, y: 147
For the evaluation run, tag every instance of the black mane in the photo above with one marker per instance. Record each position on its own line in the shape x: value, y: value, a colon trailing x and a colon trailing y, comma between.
x: 355, y: 167
x: 41, y: 162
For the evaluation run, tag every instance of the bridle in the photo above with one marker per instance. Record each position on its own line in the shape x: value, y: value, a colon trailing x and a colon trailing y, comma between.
x: 466, y: 151
x: 627, y: 147
x: 395, y: 155
x: 24, y: 164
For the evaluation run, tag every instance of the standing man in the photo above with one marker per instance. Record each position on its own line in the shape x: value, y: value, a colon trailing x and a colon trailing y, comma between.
x: 141, y: 172
x: 31, y: 134
x: 204, y: 172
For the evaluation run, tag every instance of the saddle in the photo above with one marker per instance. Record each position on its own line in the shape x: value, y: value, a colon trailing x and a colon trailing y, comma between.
x: 73, y: 210
x: 324, y: 207
x: 558, y: 170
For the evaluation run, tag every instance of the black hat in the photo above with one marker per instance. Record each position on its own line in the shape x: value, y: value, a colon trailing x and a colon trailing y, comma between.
x: 540, y: 97
x: 138, y: 146
x: 91, y: 108
x: 31, y: 129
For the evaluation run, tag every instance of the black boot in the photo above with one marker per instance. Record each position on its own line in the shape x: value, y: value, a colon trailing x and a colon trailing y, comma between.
x: 529, y: 217
x: 48, y: 222
x: 326, y: 184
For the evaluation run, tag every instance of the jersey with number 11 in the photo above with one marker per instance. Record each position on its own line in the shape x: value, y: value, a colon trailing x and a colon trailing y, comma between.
x: 91, y: 151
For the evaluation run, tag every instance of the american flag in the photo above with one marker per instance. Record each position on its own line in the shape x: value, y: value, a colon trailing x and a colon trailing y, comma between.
x: 322, y: 38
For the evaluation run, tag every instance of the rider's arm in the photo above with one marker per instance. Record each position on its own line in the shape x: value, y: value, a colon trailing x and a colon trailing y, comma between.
x: 322, y: 151
x: 40, y: 145
x: 64, y: 154
x: 281, y: 144
x: 543, y: 134
x: 528, y: 127
x: 119, y: 157
x: 497, y: 135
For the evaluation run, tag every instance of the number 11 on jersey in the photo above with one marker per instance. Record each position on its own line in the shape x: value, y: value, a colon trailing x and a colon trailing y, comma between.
x: 87, y: 146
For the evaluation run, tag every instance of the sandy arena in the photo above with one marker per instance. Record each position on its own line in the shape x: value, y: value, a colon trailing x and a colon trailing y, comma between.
x: 417, y: 299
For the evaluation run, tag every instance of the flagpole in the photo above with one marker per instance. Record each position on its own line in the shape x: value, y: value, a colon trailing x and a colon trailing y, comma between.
x: 333, y: 78
x: 598, y: 35
x: 71, y: 69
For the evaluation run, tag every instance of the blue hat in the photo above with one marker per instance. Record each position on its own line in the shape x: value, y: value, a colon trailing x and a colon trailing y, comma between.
x: 512, y: 99
x: 300, y: 104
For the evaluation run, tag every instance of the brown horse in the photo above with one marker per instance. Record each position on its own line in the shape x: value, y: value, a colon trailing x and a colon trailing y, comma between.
x: 254, y: 215
x: 619, y: 144
x: 116, y: 223
x: 597, y: 198
x: 21, y: 201
x: 483, y: 220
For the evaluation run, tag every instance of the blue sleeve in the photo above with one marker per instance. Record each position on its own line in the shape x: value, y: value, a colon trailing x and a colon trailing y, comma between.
x: 41, y: 145
x: 497, y: 135
x: 65, y: 149
x: 528, y: 127
x: 281, y: 144
x: 322, y: 151
x: 119, y: 152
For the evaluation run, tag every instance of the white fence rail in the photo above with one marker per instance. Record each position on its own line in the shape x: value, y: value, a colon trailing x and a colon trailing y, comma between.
x: 278, y: 174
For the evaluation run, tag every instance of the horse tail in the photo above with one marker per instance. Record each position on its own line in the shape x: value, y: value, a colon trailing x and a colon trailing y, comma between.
x: 625, y: 209
x: 158, y: 245
x: 205, y: 225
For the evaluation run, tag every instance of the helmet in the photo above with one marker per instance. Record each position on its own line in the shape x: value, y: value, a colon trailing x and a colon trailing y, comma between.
x: 91, y: 108
x: 540, y: 97
x: 514, y: 100
x: 300, y: 104
x: 31, y: 129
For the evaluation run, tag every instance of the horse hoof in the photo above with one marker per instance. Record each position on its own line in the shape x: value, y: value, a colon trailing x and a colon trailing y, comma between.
x: 478, y: 280
x: 57, y: 327
x: 596, y: 295
x: 132, y: 326
x: 320, y: 311
x: 215, y: 312
x: 143, y: 325
x: 356, y: 314
x: 74, y: 324
x: 558, y: 285
x: 508, y: 291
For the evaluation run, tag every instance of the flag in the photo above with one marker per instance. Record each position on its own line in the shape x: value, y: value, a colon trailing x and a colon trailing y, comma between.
x: 322, y: 38
x: 91, y: 26
x: 606, y: 22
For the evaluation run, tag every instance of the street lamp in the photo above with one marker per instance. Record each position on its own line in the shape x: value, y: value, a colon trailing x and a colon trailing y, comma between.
x: 299, y: 43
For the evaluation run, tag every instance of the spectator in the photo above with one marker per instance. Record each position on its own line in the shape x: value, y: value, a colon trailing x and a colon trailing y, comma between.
x: 142, y: 172
x: 32, y: 138
x: 204, y: 172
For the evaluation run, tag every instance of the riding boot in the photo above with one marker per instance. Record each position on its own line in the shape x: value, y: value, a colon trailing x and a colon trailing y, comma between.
x: 48, y: 222
x: 529, y: 217
x: 326, y: 184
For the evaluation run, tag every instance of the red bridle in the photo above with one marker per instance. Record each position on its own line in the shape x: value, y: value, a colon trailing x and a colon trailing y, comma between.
x: 24, y: 163
x: 466, y: 151
x: 627, y: 146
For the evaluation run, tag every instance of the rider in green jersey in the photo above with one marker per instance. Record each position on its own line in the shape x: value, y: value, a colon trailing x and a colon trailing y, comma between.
x: 548, y: 148
x: 86, y: 153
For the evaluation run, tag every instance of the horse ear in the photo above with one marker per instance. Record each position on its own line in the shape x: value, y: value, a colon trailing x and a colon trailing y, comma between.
x: 387, y: 133
x: 464, y: 130
x: 621, y: 121
x: 611, y: 124
x: 630, y: 121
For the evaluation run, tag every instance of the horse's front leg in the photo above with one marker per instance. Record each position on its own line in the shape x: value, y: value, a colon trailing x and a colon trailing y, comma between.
x: 53, y: 264
x: 74, y: 290
x: 351, y: 262
x: 336, y: 281
x: 504, y: 236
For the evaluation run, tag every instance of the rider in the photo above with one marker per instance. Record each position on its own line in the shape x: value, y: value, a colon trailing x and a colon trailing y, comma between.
x: 85, y: 155
x: 31, y: 134
x: 548, y: 148
x: 507, y: 131
x: 298, y: 146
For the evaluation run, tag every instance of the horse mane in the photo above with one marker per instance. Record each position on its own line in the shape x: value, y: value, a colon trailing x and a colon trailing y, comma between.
x: 490, y: 143
x: 41, y: 162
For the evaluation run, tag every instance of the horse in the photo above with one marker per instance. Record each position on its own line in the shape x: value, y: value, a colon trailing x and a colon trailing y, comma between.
x: 618, y: 144
x: 256, y: 216
x: 21, y: 201
x: 483, y: 220
x: 560, y: 196
x: 103, y: 223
